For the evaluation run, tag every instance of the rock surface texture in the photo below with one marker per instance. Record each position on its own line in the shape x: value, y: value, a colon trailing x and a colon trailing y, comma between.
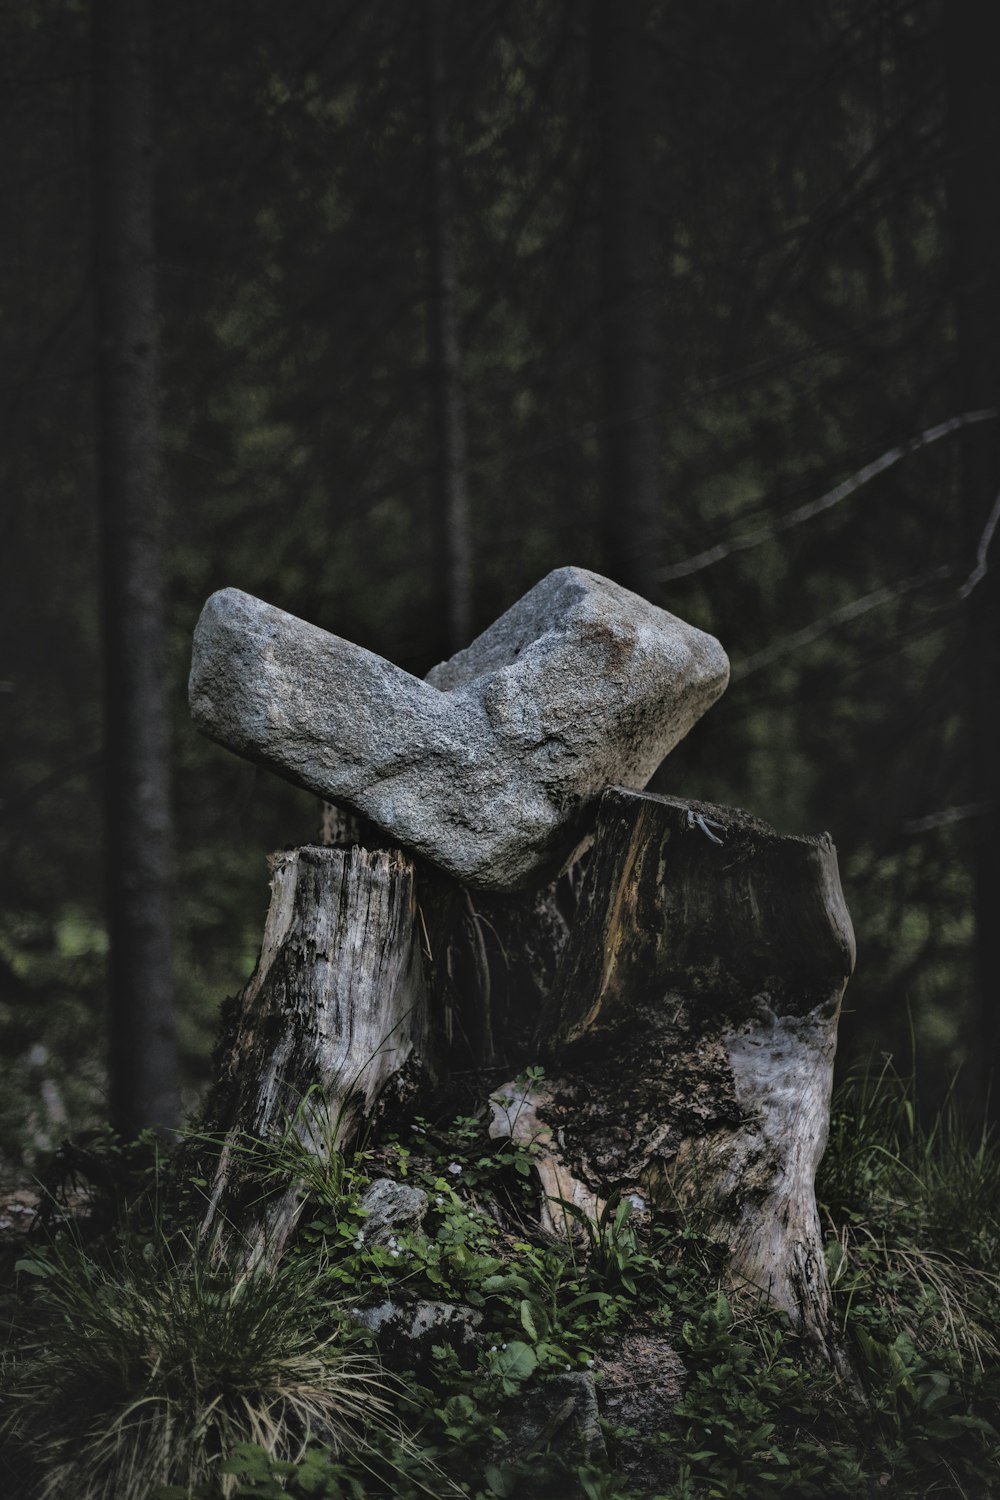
x: 489, y: 768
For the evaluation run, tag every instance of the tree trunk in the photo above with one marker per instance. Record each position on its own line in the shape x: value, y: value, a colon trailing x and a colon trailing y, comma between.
x: 446, y: 358
x: 974, y: 202
x: 630, y: 352
x: 143, y: 1081
x: 334, y: 1014
x: 691, y: 1033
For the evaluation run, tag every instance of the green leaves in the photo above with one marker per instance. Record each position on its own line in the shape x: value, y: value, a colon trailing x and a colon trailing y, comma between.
x: 33, y: 1268
x: 514, y: 1364
x: 757, y: 1420
x: 527, y: 1320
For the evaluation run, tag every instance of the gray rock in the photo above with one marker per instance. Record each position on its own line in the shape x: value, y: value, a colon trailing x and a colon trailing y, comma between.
x: 490, y: 767
x: 406, y: 1333
x: 391, y: 1208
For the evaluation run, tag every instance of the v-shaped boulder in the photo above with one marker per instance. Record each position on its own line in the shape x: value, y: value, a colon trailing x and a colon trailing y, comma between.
x: 490, y: 767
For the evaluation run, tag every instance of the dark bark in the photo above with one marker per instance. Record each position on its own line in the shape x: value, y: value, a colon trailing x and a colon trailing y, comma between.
x: 493, y: 964
x: 974, y: 201
x: 691, y: 1034
x: 136, y: 752
x: 446, y: 357
x: 630, y: 346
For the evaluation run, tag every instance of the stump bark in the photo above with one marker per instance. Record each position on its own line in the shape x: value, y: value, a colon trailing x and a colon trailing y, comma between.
x: 334, y: 1014
x: 691, y: 1031
x: 683, y: 995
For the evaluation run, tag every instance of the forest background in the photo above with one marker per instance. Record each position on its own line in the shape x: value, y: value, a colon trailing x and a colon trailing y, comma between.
x: 703, y: 297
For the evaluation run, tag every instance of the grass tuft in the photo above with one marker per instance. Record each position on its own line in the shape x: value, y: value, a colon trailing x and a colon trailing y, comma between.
x: 914, y: 1210
x: 148, y: 1367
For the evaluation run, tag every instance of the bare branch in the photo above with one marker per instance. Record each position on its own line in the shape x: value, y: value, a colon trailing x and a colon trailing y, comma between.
x: 979, y: 571
x: 948, y: 815
x: 825, y: 502
x: 847, y: 612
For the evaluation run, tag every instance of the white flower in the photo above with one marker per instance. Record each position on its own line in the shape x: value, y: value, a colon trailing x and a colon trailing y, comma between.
x: 394, y: 1252
x: 455, y: 1169
x: 438, y: 1198
x: 589, y: 1363
x: 391, y: 1242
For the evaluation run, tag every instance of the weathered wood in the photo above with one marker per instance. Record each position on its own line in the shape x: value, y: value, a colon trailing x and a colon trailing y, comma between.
x: 493, y: 961
x: 692, y: 1028
x: 334, y: 1012
x: 684, y: 995
x: 518, y: 1113
x: 339, y: 828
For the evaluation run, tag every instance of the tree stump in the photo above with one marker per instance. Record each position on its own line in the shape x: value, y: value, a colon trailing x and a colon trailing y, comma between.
x: 686, y: 1015
x: 683, y: 994
x: 335, y: 1012
x: 691, y: 1031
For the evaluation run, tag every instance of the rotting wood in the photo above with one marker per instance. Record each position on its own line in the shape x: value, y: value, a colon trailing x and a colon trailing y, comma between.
x: 515, y: 1116
x: 684, y: 996
x: 340, y: 828
x: 691, y: 1031
x: 335, y: 1011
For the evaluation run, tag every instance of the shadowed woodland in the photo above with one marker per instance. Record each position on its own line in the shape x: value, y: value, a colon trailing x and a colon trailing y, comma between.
x: 380, y: 312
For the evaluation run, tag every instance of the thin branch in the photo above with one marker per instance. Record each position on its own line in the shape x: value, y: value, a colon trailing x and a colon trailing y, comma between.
x: 948, y: 815
x: 979, y: 571
x: 847, y: 612
x: 825, y: 502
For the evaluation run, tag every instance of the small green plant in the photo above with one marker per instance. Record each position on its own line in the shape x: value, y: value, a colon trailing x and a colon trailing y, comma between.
x: 916, y: 1210
x: 143, y: 1362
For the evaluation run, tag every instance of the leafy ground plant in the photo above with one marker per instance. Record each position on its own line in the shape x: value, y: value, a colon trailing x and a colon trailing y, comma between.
x: 148, y: 1370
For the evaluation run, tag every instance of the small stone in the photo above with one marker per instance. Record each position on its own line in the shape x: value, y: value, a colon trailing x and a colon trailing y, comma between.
x: 490, y: 767
x: 390, y: 1207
